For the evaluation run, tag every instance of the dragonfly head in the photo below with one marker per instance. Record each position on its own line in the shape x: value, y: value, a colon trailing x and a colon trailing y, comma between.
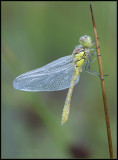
x: 85, y: 41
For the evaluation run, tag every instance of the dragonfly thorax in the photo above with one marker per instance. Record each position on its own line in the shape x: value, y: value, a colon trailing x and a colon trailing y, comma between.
x: 80, y: 53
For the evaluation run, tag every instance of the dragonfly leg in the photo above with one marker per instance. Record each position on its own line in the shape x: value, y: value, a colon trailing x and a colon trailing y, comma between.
x: 95, y: 73
x: 93, y: 49
x: 94, y: 43
x: 94, y: 58
x: 87, y: 66
x: 90, y: 61
x: 93, y: 55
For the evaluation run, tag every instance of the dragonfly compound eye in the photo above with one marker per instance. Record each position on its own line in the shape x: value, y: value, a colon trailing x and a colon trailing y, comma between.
x: 85, y: 41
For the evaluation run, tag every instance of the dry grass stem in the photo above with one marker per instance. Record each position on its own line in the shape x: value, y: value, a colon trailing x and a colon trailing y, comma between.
x: 103, y: 86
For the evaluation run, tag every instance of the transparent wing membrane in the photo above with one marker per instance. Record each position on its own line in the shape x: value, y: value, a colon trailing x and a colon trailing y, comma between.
x: 54, y: 76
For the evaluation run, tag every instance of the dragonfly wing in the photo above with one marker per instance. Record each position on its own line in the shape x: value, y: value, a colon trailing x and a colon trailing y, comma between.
x: 55, y: 66
x: 54, y: 76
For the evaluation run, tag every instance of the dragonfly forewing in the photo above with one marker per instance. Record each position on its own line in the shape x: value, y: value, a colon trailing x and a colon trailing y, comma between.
x: 54, y: 76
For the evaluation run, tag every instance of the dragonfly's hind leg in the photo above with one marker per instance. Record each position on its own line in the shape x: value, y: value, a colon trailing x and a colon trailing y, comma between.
x: 87, y: 66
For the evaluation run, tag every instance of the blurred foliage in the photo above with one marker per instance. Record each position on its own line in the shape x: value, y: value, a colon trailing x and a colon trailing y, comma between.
x: 34, y: 34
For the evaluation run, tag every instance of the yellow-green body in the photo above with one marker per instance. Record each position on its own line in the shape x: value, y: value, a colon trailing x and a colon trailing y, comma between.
x: 79, y: 55
x: 68, y: 98
x: 78, y: 61
x: 80, y: 58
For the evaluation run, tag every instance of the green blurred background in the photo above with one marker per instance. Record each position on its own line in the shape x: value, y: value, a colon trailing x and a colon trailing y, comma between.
x: 34, y: 34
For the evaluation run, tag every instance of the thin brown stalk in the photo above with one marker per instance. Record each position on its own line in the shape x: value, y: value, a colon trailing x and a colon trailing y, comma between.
x: 103, y: 87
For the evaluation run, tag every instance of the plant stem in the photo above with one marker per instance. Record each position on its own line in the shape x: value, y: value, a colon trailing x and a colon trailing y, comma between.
x: 103, y: 87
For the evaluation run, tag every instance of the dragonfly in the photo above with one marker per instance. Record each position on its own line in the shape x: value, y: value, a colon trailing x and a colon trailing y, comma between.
x: 60, y: 74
